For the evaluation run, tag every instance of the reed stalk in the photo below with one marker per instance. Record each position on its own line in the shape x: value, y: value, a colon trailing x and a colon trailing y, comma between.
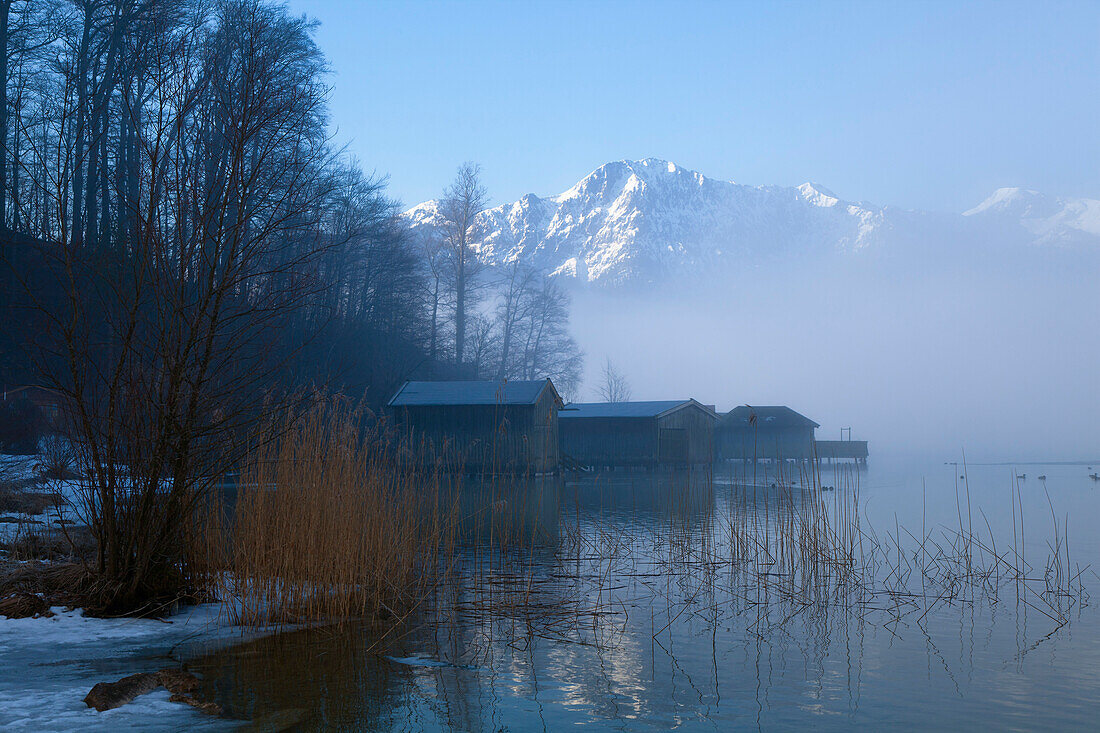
x: 330, y: 524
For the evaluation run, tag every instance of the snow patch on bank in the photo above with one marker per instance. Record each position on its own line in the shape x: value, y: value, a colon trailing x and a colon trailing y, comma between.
x: 50, y: 664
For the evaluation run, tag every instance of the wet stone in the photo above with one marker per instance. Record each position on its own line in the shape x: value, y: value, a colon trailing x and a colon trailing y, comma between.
x: 109, y: 695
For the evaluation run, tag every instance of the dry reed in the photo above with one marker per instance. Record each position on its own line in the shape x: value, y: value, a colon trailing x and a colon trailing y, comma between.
x: 332, y: 523
x: 780, y: 547
x: 329, y: 525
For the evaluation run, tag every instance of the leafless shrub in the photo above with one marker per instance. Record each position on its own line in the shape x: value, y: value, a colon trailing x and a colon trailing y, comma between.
x: 56, y: 460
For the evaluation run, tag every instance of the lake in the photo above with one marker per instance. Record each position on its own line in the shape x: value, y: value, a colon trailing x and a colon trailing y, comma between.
x: 911, y: 594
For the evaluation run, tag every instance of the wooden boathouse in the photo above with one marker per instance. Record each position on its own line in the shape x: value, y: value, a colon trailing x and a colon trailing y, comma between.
x: 669, y: 432
x: 484, y: 427
x: 773, y: 433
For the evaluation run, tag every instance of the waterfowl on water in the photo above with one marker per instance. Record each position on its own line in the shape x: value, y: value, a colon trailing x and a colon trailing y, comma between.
x: 1043, y: 477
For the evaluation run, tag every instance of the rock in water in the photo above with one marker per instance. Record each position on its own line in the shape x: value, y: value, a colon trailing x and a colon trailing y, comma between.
x: 212, y: 708
x: 182, y: 685
x: 178, y: 682
x: 111, y: 695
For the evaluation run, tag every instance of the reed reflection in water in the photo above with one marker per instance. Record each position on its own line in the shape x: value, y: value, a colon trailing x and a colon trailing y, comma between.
x: 706, y: 599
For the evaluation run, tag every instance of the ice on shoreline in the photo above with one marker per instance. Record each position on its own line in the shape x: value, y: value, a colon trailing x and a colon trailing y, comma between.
x: 50, y: 664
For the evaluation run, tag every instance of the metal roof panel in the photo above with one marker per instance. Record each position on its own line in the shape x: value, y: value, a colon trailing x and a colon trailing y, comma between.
x: 422, y: 394
x: 767, y: 416
x: 620, y: 409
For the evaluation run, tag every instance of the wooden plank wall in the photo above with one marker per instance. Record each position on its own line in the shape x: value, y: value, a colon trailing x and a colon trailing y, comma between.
x: 637, y: 441
x: 739, y: 443
x: 607, y: 441
x: 698, y: 425
x: 508, y: 438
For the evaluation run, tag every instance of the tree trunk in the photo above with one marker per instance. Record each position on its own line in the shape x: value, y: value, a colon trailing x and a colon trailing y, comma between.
x: 5, y: 11
x: 91, y: 180
x: 432, y: 349
x: 460, y: 307
x: 133, y: 167
x: 104, y: 188
x: 506, y: 343
x: 16, y: 202
x: 97, y: 146
x: 76, y: 226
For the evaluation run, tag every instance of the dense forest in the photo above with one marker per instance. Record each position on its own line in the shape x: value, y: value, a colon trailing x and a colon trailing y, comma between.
x: 187, y: 258
x: 167, y: 159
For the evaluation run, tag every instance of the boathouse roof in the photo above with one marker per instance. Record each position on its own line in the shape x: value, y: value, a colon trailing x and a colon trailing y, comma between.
x: 773, y: 416
x: 509, y: 392
x: 653, y: 408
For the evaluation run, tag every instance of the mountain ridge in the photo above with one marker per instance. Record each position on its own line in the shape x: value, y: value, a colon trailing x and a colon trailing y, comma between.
x: 645, y: 220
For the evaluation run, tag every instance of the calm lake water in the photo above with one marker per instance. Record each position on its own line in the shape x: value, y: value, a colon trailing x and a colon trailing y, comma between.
x: 623, y: 601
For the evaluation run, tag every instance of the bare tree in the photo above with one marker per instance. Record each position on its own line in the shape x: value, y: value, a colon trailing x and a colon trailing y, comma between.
x: 26, y: 28
x: 5, y: 36
x: 169, y: 347
x: 613, y: 385
x: 432, y: 253
x: 190, y: 251
x: 544, y: 347
x: 516, y: 283
x: 483, y: 344
x: 462, y: 201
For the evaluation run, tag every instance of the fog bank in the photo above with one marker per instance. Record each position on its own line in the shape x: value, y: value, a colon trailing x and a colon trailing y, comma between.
x: 994, y: 356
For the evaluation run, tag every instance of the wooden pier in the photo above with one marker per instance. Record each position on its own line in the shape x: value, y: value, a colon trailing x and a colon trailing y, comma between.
x: 842, y: 450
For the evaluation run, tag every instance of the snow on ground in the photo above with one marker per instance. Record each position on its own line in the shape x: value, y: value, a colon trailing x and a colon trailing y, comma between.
x: 14, y: 524
x: 25, y: 472
x: 17, y: 467
x: 49, y: 664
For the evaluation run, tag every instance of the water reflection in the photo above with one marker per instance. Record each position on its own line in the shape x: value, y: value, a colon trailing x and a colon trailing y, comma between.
x: 318, y: 678
x: 619, y: 600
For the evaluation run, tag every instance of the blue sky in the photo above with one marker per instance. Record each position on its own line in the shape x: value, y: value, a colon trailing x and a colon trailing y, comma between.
x: 922, y: 105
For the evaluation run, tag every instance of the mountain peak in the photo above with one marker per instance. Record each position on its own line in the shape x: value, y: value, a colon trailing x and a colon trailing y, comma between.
x: 626, y: 177
x: 817, y: 194
x: 646, y: 220
x: 641, y: 220
x: 1050, y: 219
x: 1018, y: 201
x: 655, y: 163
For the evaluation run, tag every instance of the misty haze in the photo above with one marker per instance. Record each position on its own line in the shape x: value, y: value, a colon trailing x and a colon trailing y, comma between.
x: 487, y: 366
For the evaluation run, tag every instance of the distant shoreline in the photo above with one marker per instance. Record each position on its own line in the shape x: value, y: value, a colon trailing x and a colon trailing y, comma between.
x: 1033, y: 463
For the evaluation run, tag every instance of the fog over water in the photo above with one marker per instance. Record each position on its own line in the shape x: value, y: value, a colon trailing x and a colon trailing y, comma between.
x: 993, y: 353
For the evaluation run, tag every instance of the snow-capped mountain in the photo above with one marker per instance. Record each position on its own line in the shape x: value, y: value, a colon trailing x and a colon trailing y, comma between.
x: 1049, y: 220
x: 643, y: 221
